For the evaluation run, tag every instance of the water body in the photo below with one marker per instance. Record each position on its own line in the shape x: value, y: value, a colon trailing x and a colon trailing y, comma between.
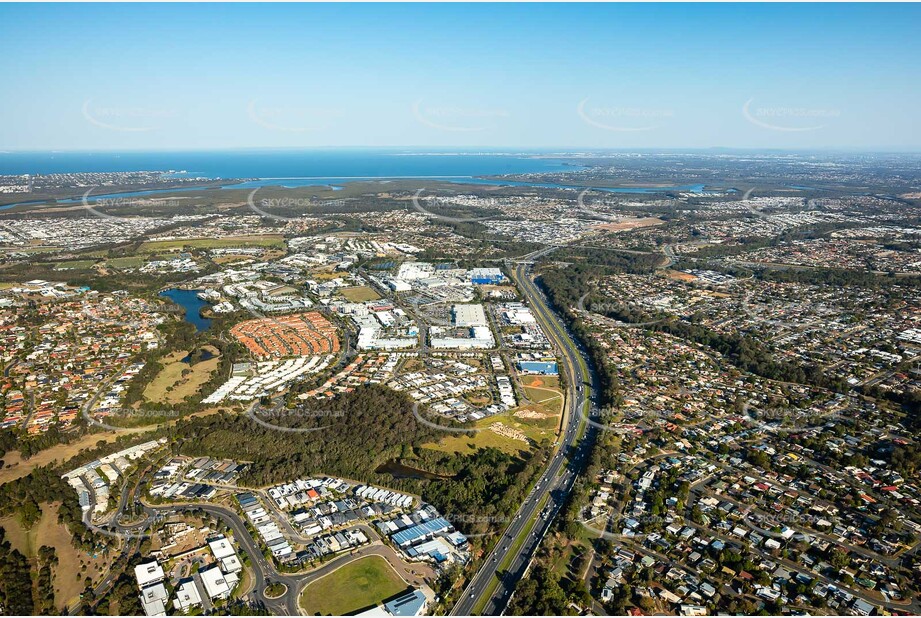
x: 290, y: 183
x: 282, y: 164
x: 192, y: 304
x: 300, y: 168
x: 203, y: 356
x: 402, y: 471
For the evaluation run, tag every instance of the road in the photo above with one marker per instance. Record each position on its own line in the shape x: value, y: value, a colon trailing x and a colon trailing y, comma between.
x: 492, y: 586
x: 263, y: 570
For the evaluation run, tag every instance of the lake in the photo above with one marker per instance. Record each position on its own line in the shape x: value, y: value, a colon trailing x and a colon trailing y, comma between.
x: 192, y: 304
x: 402, y: 471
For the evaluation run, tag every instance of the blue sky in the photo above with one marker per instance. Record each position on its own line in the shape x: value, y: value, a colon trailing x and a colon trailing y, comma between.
x: 203, y: 76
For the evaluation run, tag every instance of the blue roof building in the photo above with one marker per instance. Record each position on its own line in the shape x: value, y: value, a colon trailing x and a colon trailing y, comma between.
x: 547, y: 368
x: 486, y: 276
x: 410, y: 535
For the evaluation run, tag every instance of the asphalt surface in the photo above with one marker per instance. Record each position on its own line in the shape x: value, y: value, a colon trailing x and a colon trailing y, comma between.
x: 263, y: 571
x: 556, y: 482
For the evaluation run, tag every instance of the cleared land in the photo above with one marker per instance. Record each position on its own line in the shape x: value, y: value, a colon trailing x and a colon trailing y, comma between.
x: 358, y: 585
x: 537, y: 421
x: 74, y: 265
x: 680, y: 276
x: 359, y: 294
x: 155, y: 246
x: 131, y: 261
x: 178, y: 380
x: 539, y: 381
x: 73, y: 565
x: 16, y: 467
x: 465, y: 444
x: 630, y: 224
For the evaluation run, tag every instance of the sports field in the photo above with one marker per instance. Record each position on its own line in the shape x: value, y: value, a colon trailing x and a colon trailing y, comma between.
x: 358, y: 585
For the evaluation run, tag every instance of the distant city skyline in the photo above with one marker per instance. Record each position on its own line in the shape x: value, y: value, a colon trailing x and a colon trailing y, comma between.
x: 548, y: 76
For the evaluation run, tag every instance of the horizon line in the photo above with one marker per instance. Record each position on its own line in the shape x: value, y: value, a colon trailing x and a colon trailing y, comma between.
x: 422, y: 150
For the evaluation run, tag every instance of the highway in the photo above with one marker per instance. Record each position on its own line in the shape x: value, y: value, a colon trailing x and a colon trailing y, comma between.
x: 491, y: 588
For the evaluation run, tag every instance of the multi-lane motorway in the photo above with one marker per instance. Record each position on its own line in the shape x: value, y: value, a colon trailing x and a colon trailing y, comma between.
x: 490, y: 589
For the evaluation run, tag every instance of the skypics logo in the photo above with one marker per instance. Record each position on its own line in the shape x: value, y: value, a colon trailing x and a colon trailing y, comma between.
x: 292, y: 118
x: 788, y: 119
x: 619, y: 308
x: 583, y: 207
x: 457, y: 119
x: 264, y: 206
x: 417, y: 205
x: 785, y: 420
x: 128, y: 413
x: 125, y: 119
x: 90, y: 204
x: 762, y: 308
x: 267, y: 417
x: 750, y: 206
x: 628, y: 527
x: 124, y: 532
x: 623, y: 119
x: 459, y: 430
x: 286, y: 203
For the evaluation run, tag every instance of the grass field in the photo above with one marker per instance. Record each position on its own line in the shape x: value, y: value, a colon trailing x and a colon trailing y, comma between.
x: 325, y: 275
x: 14, y: 466
x: 171, y: 386
x: 73, y: 565
x: 131, y: 261
x: 74, y: 265
x: 548, y: 404
x: 465, y: 444
x: 359, y: 294
x: 230, y: 259
x: 540, y: 381
x: 212, y: 243
x: 542, y: 395
x: 358, y: 585
x: 31, y: 250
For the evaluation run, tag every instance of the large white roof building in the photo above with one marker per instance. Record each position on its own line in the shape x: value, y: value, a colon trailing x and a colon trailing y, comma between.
x: 468, y: 315
x: 148, y: 573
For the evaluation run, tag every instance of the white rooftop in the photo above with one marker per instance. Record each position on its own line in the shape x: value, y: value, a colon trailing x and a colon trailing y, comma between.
x: 221, y: 548
x: 217, y: 585
x: 187, y: 596
x: 148, y: 573
x: 153, y: 600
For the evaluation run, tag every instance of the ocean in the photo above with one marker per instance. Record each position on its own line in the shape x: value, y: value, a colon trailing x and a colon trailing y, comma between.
x: 292, y: 168
x: 284, y: 164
